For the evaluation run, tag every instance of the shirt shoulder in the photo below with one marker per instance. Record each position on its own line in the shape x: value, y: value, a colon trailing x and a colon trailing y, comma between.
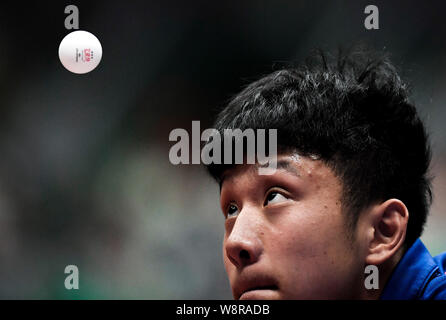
x: 436, y: 287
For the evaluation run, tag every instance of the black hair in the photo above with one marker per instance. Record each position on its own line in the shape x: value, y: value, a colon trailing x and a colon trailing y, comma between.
x: 353, y: 112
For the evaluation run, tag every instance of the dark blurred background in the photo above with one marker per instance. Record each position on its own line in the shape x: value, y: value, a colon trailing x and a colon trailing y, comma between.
x: 85, y: 177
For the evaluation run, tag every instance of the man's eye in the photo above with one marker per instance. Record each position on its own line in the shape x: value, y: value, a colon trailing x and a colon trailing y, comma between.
x: 232, y: 211
x: 274, y: 197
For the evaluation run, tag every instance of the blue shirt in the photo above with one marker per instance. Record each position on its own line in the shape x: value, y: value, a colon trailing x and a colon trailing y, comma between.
x: 418, y: 276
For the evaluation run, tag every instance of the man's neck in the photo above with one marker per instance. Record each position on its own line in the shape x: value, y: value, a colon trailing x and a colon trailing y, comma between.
x: 385, y: 272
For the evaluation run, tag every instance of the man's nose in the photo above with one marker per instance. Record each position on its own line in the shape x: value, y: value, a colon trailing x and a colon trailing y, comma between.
x: 243, y: 246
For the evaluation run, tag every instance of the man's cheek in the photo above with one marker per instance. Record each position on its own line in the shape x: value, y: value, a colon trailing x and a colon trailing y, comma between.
x: 229, y: 267
x: 230, y: 271
x: 304, y: 238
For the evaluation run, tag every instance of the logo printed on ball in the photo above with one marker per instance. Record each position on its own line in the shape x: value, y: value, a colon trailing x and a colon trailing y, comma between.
x: 84, y: 55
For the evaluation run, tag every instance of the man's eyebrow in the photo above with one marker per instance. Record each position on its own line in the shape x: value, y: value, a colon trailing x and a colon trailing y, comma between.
x: 286, y: 165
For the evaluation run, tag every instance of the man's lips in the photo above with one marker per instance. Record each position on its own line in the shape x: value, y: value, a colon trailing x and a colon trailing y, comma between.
x: 257, y: 292
x: 253, y: 284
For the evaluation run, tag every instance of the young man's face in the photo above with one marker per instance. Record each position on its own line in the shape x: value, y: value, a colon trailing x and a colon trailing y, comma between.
x: 286, y: 236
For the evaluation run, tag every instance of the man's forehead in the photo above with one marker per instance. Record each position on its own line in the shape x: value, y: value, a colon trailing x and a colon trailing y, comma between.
x: 291, y: 163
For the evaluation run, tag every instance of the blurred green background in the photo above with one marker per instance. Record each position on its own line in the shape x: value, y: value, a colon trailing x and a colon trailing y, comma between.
x: 85, y: 177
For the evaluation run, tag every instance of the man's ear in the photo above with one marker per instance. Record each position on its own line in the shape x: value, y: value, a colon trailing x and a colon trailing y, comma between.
x: 387, y: 223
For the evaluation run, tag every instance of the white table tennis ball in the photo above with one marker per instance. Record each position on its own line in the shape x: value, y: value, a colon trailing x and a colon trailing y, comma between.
x: 80, y: 52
